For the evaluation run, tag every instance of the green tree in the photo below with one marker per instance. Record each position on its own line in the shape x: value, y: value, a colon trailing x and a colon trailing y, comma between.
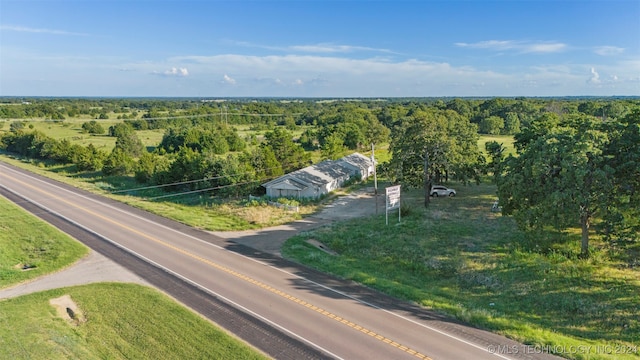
x: 120, y: 129
x: 130, y: 144
x: 289, y: 154
x: 118, y: 163
x: 148, y: 165
x: 434, y: 145
x: 90, y: 159
x: 511, y: 124
x: 496, y: 154
x: 92, y: 127
x: 559, y: 178
x: 622, y: 216
x: 492, y: 125
x: 333, y: 147
x: 264, y: 163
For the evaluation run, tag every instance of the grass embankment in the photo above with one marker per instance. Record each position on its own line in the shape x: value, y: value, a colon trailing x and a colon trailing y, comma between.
x: 120, y: 321
x: 459, y: 258
x: 31, y: 248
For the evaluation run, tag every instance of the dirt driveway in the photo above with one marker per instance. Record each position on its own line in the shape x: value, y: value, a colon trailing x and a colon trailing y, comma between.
x: 358, y: 204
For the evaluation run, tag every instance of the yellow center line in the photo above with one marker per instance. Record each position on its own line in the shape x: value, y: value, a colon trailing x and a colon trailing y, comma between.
x: 236, y: 274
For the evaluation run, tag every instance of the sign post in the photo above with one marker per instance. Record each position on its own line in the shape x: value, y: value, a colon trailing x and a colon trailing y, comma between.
x: 393, y: 201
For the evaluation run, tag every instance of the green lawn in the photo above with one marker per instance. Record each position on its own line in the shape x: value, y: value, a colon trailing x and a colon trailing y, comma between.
x: 115, y: 321
x: 29, y: 254
x: 460, y: 258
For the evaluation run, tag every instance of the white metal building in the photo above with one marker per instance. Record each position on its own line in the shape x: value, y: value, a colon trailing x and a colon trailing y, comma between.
x: 319, y: 179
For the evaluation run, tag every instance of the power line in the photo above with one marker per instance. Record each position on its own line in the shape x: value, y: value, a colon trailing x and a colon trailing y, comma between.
x: 199, y: 190
x: 190, y: 181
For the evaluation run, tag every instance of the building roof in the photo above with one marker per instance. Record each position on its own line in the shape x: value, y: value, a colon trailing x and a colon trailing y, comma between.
x: 359, y: 160
x: 321, y: 173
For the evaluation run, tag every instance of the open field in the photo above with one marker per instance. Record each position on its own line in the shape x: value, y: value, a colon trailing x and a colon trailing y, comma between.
x: 505, y: 140
x: 460, y: 258
x: 71, y: 129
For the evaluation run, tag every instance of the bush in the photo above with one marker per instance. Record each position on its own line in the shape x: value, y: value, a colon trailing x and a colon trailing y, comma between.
x: 92, y: 127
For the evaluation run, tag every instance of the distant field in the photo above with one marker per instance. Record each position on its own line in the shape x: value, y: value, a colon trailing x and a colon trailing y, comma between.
x: 505, y: 140
x: 71, y: 129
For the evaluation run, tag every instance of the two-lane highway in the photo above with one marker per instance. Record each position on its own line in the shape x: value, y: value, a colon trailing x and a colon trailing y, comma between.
x: 325, y: 314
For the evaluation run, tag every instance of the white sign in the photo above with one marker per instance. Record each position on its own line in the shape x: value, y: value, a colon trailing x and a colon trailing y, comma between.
x: 393, y: 201
x: 393, y: 197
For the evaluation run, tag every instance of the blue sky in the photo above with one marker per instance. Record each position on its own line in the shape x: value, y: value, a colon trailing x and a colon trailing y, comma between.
x: 307, y: 48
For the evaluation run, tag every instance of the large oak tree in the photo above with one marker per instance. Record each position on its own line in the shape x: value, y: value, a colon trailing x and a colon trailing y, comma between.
x: 434, y: 145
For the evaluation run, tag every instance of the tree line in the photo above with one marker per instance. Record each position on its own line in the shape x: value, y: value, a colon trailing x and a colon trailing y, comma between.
x: 577, y: 161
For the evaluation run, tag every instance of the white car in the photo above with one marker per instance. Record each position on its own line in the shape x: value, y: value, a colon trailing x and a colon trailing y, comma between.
x: 439, y: 190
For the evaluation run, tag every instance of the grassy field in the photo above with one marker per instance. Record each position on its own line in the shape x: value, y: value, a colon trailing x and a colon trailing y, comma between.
x: 505, y: 140
x: 461, y: 259
x: 71, y: 129
x: 114, y: 321
x: 29, y: 254
x: 123, y: 321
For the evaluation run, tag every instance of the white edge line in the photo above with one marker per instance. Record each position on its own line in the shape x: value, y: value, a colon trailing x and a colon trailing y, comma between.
x: 271, y: 266
x: 276, y: 325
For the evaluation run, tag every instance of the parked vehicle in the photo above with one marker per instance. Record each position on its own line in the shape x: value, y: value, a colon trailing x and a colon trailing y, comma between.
x: 439, y: 190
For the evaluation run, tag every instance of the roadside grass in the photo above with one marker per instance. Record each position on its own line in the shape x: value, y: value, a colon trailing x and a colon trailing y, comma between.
x: 197, y: 210
x: 122, y: 321
x: 31, y: 248
x: 459, y: 258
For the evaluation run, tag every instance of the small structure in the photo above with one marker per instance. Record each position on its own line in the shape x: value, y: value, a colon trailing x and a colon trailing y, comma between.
x: 320, y: 179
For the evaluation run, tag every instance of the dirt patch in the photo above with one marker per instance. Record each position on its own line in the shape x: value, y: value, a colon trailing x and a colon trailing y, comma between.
x: 68, y: 310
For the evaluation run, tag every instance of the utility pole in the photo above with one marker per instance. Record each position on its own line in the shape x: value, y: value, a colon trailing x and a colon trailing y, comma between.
x: 427, y: 179
x: 375, y: 176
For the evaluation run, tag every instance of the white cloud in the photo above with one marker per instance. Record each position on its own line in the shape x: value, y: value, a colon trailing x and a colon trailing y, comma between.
x: 229, y: 80
x: 595, y: 77
x: 181, y: 72
x: 333, y: 48
x: 310, y: 75
x: 520, y: 46
x: 320, y: 48
x: 608, y: 50
x: 40, y: 31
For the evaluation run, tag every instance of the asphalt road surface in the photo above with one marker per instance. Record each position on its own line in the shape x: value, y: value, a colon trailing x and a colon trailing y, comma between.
x: 286, y: 310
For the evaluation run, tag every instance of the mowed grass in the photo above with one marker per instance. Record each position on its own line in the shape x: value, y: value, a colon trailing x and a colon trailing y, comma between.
x: 459, y: 258
x: 116, y: 321
x: 123, y: 321
x: 30, y: 248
